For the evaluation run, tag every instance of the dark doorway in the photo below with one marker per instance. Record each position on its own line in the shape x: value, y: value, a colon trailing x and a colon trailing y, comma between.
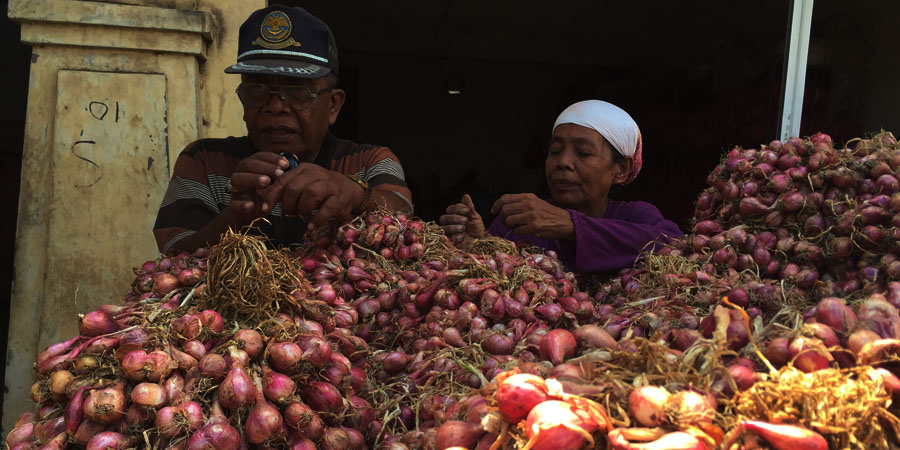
x: 852, y: 70
x: 698, y: 77
x: 14, y: 80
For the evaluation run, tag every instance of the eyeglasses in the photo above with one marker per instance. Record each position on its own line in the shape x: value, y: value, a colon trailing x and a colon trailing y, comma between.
x: 254, y: 95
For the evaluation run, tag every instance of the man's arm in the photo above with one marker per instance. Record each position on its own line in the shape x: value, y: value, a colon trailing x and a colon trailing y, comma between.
x: 210, y: 234
x: 381, y: 197
x: 387, y: 181
x: 190, y: 218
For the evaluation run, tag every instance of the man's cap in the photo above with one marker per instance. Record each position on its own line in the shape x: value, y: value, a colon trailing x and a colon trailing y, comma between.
x: 286, y: 41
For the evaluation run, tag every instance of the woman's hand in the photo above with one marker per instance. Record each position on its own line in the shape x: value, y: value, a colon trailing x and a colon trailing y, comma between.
x: 462, y: 224
x: 528, y: 215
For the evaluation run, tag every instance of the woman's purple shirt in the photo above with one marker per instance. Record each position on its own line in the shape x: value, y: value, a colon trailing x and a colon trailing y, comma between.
x: 604, y: 244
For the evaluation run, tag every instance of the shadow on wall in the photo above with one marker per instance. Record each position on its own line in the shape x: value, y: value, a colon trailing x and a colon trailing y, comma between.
x: 12, y: 128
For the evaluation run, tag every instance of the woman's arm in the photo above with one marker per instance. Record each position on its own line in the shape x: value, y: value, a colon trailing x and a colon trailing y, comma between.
x: 608, y: 244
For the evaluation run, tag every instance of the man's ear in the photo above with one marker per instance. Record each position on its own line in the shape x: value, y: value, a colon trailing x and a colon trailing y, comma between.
x: 625, y: 168
x: 336, y: 100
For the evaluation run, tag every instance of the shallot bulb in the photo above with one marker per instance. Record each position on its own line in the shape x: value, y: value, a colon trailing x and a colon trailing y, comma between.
x: 518, y: 394
x: 97, y: 323
x: 57, y: 349
x: 284, y: 357
x: 105, y: 405
x: 787, y: 437
x: 179, y: 420
x: 109, y: 440
x: 87, y: 430
x: 691, y: 408
x: 301, y: 417
x: 237, y: 389
x: 149, y: 394
x: 250, y: 341
x: 557, y: 345
x: 454, y: 433
x: 20, y: 434
x: 59, y: 381
x: 139, y: 365
x: 647, y: 404
x: 264, y: 421
x: 74, y: 411
x: 216, y: 434
x: 653, y: 439
x: 594, y: 336
x: 277, y: 387
x: 315, y: 349
x: 322, y: 396
x: 555, y: 425
x: 213, y: 365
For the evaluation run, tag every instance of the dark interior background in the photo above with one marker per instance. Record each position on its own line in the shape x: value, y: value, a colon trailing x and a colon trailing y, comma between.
x: 853, y: 74
x: 698, y: 77
x: 14, y: 82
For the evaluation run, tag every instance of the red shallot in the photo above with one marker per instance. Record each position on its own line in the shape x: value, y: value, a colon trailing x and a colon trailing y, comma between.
x: 786, y: 437
x: 237, y: 389
x: 647, y: 404
x: 557, y: 345
x: 652, y: 439
x: 106, y: 405
x: 518, y: 394
x: 555, y: 425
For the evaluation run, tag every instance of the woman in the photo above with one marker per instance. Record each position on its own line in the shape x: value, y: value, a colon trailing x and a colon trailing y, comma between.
x: 595, y: 145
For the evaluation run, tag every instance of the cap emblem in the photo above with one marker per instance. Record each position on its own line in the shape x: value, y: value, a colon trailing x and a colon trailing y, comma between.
x: 275, y: 32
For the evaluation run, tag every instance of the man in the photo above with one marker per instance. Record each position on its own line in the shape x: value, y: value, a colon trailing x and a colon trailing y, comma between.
x: 289, y: 168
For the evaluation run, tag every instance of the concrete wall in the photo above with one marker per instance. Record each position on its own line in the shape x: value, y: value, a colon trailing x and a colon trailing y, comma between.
x: 116, y: 90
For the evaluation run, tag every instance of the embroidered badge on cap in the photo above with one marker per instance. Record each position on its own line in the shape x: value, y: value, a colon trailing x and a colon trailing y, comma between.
x: 275, y: 32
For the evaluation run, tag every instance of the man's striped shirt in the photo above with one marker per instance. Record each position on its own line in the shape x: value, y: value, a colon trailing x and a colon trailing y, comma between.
x: 199, y: 189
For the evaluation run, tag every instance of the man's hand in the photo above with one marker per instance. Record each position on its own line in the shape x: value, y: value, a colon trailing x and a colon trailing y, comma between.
x: 252, y: 176
x: 526, y: 214
x: 308, y: 188
x: 462, y: 224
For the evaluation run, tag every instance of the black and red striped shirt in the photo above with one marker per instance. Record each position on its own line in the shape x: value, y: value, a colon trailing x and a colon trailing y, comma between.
x: 199, y: 189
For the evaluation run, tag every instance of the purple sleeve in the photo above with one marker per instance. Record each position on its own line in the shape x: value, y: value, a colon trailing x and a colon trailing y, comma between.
x: 608, y: 244
x: 498, y: 229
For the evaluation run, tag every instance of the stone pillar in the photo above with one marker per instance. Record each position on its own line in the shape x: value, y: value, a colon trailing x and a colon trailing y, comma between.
x: 116, y: 90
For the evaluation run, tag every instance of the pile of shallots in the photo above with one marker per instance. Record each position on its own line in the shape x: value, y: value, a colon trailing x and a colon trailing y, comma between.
x: 380, y: 334
x: 156, y: 372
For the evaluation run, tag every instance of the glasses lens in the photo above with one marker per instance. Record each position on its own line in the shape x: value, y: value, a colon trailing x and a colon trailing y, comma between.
x: 253, y: 94
x: 298, y: 96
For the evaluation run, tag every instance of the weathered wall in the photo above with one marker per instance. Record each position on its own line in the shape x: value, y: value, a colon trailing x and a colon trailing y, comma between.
x: 116, y: 90
x: 220, y: 109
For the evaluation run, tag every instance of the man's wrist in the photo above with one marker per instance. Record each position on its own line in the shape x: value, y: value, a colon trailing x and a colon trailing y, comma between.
x: 232, y: 218
x: 360, y: 206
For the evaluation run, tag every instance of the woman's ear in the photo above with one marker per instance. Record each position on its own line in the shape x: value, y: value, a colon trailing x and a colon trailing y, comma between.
x: 336, y: 99
x: 624, y: 171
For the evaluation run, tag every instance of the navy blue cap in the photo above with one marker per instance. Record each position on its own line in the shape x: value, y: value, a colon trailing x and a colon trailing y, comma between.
x: 286, y: 41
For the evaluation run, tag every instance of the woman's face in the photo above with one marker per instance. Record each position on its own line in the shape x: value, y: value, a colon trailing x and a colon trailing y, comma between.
x: 580, y: 168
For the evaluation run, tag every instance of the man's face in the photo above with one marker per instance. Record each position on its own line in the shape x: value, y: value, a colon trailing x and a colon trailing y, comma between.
x: 281, y: 126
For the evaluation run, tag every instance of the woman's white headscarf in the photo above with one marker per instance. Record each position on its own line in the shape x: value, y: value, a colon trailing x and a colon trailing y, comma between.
x: 613, y: 123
